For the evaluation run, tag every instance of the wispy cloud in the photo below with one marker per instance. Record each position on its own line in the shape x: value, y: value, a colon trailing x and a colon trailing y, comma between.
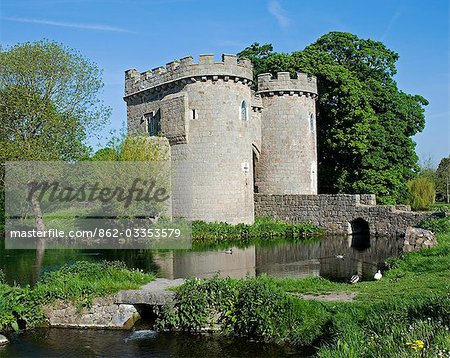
x: 279, y: 13
x: 74, y: 25
x: 391, y: 23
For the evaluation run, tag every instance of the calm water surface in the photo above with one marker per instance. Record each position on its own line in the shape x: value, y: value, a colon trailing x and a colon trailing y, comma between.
x: 336, y: 258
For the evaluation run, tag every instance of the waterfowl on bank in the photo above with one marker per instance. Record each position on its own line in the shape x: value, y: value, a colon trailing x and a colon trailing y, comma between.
x: 355, y: 278
x: 378, y: 275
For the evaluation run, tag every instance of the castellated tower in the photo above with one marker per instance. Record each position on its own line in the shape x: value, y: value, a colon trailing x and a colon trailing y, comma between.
x: 211, y: 119
x: 288, y: 160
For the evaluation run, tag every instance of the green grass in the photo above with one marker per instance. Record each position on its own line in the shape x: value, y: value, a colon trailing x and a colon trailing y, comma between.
x: 440, y: 207
x: 79, y: 283
x: 263, y: 228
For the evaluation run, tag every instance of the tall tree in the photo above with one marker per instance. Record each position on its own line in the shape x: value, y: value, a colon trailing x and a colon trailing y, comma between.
x: 364, y: 121
x: 49, y: 100
x: 442, y: 178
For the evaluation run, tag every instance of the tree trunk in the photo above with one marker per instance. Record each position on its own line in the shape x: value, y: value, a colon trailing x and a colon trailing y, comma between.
x: 40, y: 244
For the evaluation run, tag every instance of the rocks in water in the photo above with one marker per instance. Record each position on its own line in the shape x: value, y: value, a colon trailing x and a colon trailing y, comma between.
x: 3, y: 340
x: 417, y: 239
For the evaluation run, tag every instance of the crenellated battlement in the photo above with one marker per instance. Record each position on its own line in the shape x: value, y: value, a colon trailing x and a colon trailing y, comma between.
x: 284, y: 84
x: 230, y: 68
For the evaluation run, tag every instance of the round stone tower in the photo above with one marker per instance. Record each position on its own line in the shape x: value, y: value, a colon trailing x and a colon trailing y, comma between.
x: 204, y: 109
x: 288, y: 160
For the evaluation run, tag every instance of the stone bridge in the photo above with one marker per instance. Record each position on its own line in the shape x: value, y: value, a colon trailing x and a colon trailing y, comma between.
x: 155, y: 293
x: 339, y: 213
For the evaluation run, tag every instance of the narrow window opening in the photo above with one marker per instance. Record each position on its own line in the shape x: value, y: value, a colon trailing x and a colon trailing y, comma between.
x: 194, y: 114
x: 311, y: 122
x: 153, y: 121
x: 244, y: 111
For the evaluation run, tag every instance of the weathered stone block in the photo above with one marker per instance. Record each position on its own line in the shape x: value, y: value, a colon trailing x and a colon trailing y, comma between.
x: 3, y: 340
x: 417, y: 239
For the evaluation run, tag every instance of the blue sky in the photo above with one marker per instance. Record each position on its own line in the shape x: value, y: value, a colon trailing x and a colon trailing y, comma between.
x: 144, y: 34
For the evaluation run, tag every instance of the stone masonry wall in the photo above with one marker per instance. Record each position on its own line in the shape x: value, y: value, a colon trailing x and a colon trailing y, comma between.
x: 220, y: 151
x: 105, y: 313
x: 288, y: 161
x: 211, y: 145
x: 185, y: 69
x: 334, y: 213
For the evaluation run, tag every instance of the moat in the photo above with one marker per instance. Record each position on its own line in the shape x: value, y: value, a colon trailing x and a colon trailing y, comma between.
x: 334, y: 257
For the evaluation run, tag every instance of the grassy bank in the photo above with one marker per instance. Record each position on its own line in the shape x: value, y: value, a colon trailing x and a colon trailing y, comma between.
x: 79, y: 283
x: 263, y: 228
x: 406, y: 314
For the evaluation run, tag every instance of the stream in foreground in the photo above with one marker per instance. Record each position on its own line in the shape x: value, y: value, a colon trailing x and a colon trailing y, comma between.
x: 67, y: 343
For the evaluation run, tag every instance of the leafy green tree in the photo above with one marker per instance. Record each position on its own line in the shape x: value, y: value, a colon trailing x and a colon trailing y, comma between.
x: 49, y: 101
x: 364, y: 121
x: 443, y: 180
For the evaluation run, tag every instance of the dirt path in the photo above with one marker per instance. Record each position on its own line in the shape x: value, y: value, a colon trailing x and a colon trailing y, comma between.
x: 332, y: 296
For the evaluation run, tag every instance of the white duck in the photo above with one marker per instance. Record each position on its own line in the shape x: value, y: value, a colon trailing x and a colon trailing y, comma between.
x: 378, y: 275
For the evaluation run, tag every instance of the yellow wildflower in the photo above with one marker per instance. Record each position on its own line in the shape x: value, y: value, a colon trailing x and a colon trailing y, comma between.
x: 417, y: 345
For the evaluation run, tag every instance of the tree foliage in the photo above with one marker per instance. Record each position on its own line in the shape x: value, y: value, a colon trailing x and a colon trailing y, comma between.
x: 442, y: 179
x: 364, y: 121
x: 133, y: 149
x: 422, y: 193
x: 49, y: 101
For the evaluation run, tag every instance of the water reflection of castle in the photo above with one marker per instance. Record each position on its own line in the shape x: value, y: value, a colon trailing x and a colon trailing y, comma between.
x: 361, y: 255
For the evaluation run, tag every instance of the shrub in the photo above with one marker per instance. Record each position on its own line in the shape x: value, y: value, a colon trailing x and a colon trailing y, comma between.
x: 262, y: 309
x: 441, y: 208
x: 422, y: 193
x: 253, y: 307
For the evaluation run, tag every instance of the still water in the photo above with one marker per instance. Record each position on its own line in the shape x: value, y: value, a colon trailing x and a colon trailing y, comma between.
x: 336, y: 258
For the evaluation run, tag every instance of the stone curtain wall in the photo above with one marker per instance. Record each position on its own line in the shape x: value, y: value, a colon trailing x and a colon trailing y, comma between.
x: 334, y: 213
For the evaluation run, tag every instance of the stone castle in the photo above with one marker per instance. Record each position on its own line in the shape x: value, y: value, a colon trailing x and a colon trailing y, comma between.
x: 227, y: 141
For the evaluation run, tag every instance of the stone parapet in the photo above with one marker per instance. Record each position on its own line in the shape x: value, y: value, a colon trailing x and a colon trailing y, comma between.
x: 229, y: 69
x: 302, y: 84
